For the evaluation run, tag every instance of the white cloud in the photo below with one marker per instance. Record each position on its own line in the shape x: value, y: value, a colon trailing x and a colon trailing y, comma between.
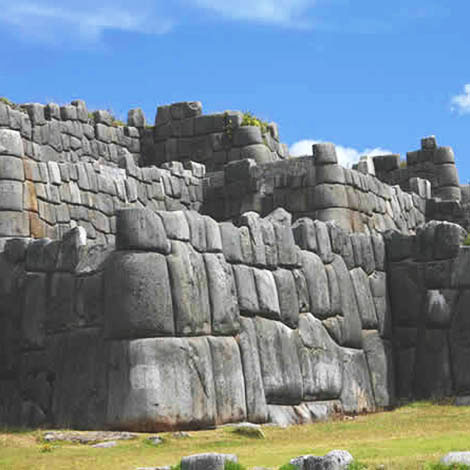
x: 461, y: 103
x: 347, y: 156
x: 282, y: 12
x: 81, y: 21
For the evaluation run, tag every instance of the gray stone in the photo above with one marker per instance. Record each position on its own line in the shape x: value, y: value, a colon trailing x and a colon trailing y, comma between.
x: 257, y: 411
x: 105, y: 445
x: 357, y: 394
x: 325, y: 196
x: 320, y: 360
x: 462, y: 458
x: 213, y: 237
x: 352, y: 321
x: 364, y: 300
x: 323, y: 242
x: 334, y: 290
x: 79, y: 398
x: 252, y: 221
x: 433, y: 373
x: 380, y: 295
x: 11, y: 168
x: 136, y: 118
x: 459, y: 345
x: 247, y: 135
x: 447, y: 240
x: 288, y: 300
x: 438, y: 308
x: 269, y: 239
x: 15, y: 249
x: 304, y: 234
x: 138, y: 296
x: 317, y: 283
x: 257, y: 152
x: 245, y: 244
x: 176, y: 225
x: 173, y: 373
x: 223, y: 296
x: 246, y: 289
x: 61, y: 300
x: 229, y: 382
x: 334, y: 460
x: 189, y: 290
x: 197, y: 230
x: 406, y: 293
x: 443, y: 155
x: 11, y: 143
x: 208, y: 461
x: 11, y: 195
x: 141, y: 229
x: 231, y: 242
x: 302, y: 290
x: 324, y: 153
x: 34, y: 311
x: 382, y: 373
x: 267, y: 293
x: 280, y: 367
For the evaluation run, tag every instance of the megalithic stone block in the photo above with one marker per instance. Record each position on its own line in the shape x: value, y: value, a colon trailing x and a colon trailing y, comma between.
x: 141, y: 229
x: 161, y: 384
x: 229, y: 383
x: 137, y: 296
x: 324, y: 153
x: 11, y: 143
x: 257, y: 410
x: 189, y: 290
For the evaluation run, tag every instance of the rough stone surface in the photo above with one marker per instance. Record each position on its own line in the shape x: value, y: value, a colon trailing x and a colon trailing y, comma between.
x: 138, y: 296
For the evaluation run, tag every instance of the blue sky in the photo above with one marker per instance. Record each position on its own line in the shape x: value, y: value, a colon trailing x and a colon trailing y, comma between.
x: 364, y: 74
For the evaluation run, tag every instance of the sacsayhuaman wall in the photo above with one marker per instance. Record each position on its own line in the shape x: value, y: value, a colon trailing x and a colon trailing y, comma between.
x: 139, y: 292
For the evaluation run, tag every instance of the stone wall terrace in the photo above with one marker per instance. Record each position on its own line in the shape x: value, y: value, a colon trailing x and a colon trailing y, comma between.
x: 212, y: 322
x: 315, y: 187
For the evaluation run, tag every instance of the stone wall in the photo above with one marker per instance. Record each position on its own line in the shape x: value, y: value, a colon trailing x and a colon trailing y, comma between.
x: 315, y: 187
x: 191, y: 323
x: 429, y: 292
x: 432, y: 162
x: 46, y: 194
x: 182, y: 133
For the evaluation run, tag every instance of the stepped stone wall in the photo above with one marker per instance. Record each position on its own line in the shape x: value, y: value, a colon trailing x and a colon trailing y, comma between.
x: 432, y: 162
x: 59, y: 168
x: 316, y: 187
x: 182, y: 133
x: 138, y: 292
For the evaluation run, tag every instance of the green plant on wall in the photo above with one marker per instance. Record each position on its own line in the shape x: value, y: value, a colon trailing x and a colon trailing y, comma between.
x: 249, y: 119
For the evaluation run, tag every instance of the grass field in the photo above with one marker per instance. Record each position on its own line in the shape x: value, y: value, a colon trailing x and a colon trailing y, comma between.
x: 408, y: 438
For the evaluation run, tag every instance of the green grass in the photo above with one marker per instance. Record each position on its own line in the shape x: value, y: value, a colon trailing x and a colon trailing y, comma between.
x: 412, y: 437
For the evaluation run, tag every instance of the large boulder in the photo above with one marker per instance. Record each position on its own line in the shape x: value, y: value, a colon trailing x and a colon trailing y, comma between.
x: 334, y: 460
x: 210, y: 461
x: 189, y: 290
x: 257, y: 411
x: 222, y: 295
x: 229, y: 383
x: 280, y: 367
x: 320, y: 359
x: 137, y: 296
x: 160, y: 384
x: 382, y: 373
x: 357, y: 394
